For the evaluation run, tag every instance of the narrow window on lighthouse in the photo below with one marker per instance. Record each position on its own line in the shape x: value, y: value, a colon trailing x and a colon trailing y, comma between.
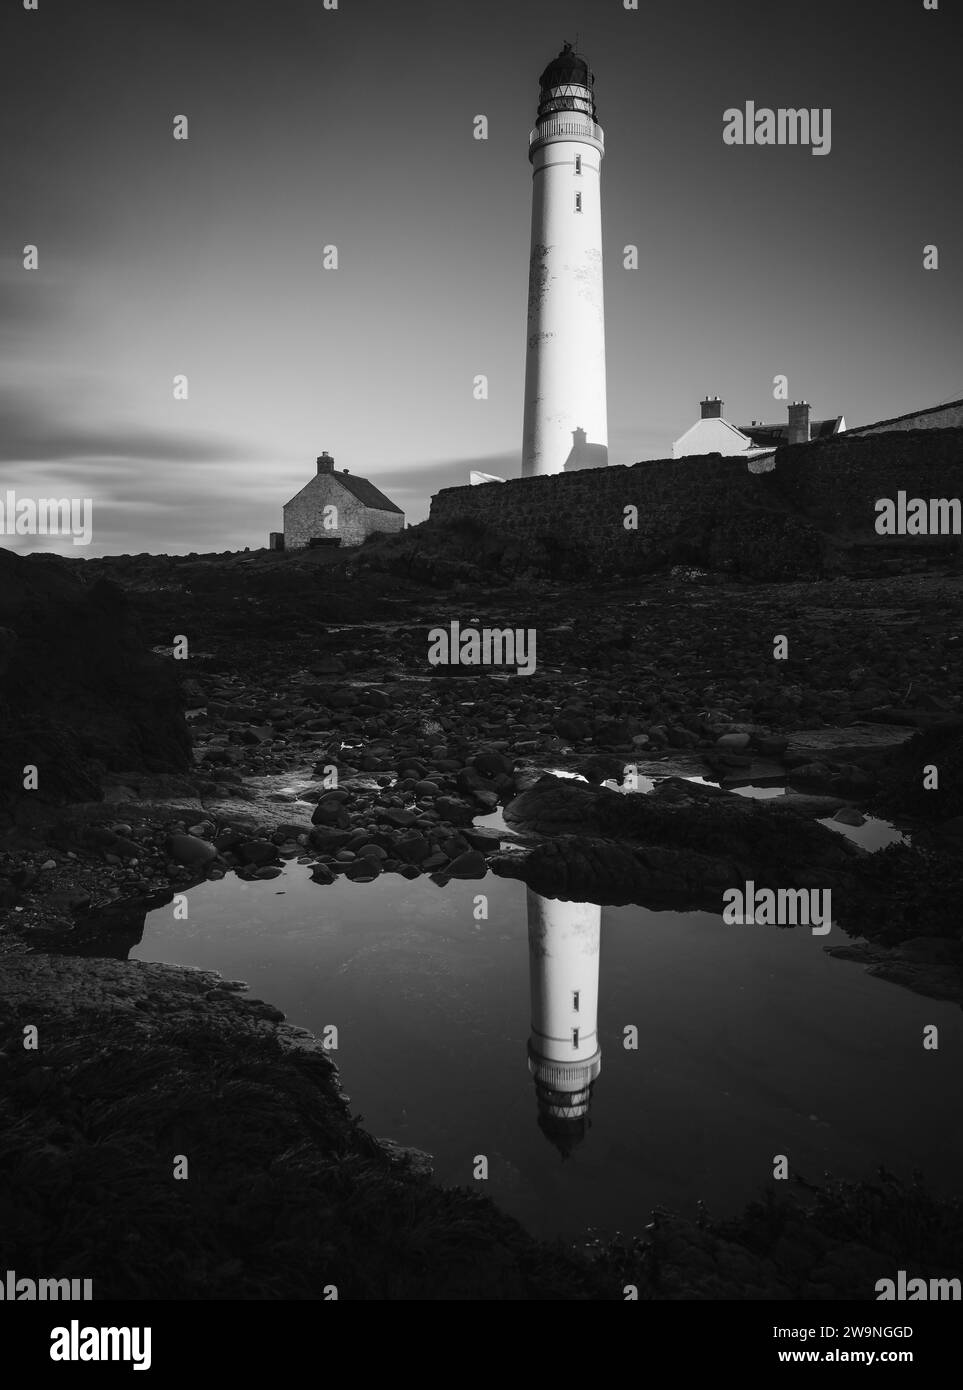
x: 575, y: 994
x: 575, y: 1037
x: 578, y: 202
x: 578, y: 164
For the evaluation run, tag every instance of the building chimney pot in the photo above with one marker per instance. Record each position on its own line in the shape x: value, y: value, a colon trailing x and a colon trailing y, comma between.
x: 798, y: 432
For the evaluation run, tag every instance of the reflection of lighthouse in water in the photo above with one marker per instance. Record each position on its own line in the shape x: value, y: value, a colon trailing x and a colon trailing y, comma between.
x: 563, y: 1050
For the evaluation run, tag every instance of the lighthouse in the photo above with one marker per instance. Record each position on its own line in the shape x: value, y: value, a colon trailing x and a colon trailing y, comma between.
x: 566, y: 423
x: 564, y: 1057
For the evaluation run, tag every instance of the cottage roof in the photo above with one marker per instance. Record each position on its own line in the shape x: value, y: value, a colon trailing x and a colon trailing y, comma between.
x: 365, y: 492
x: 771, y: 436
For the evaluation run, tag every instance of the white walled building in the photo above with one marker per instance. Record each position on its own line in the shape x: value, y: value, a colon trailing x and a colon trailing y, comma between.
x: 566, y: 419
x: 338, y: 508
x: 713, y: 434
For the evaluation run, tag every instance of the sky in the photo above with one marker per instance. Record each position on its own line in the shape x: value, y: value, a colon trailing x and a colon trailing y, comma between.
x: 353, y: 127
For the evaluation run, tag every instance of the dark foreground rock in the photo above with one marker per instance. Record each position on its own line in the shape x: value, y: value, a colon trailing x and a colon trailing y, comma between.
x: 80, y: 692
x: 681, y: 845
x: 286, y: 1195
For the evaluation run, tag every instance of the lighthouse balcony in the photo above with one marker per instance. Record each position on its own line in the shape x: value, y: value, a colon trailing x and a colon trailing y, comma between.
x: 564, y: 1077
x: 568, y: 125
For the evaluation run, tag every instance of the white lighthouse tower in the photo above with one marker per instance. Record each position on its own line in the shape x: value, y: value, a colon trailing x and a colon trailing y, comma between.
x: 563, y: 1050
x: 566, y: 423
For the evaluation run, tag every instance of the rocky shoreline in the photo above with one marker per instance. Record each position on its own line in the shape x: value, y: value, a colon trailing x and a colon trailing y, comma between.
x: 328, y: 742
x: 140, y: 1066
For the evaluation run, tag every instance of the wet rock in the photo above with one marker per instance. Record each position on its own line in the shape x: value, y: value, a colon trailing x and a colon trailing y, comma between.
x: 376, y: 699
x: 769, y: 747
x: 816, y: 776
x: 228, y: 839
x: 471, y: 864
x: 733, y: 742
x: 190, y: 851
x: 257, y: 852
x: 288, y: 830
x: 363, y: 870
x: 412, y: 767
x: 572, y: 727
x: 396, y: 817
x: 327, y: 839
x: 320, y: 873
x: 483, y: 838
x: 331, y: 813
x: 455, y: 845
x: 491, y: 764
x: 604, y: 871
x: 412, y: 848
x: 415, y: 1161
x: 455, y: 810
x: 718, y: 831
x: 848, y: 815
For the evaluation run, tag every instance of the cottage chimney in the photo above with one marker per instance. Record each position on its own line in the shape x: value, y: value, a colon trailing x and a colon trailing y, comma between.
x: 799, y: 422
x: 712, y: 408
x: 325, y: 463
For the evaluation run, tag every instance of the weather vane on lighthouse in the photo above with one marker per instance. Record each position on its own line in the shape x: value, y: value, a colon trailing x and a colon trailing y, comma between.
x: 566, y: 421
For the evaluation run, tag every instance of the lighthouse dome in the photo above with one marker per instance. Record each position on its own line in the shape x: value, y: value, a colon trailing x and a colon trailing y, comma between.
x: 568, y: 68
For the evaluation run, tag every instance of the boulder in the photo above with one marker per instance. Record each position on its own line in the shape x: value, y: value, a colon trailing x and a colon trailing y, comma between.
x: 733, y: 742
x: 453, y: 809
x: 471, y: 864
x: 79, y: 686
x: 257, y: 852
x: 412, y: 848
x: 190, y: 851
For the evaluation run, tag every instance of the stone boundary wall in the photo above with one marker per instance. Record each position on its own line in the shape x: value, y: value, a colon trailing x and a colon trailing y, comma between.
x: 712, y: 509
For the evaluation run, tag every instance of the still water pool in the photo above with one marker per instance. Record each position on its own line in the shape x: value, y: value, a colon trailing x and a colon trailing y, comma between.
x: 751, y: 1040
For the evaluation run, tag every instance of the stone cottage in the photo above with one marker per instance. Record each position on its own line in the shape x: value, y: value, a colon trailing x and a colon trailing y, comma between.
x: 337, y: 507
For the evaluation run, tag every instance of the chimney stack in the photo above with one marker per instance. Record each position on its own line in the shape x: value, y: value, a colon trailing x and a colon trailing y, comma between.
x: 712, y: 408
x: 325, y: 463
x: 798, y: 423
